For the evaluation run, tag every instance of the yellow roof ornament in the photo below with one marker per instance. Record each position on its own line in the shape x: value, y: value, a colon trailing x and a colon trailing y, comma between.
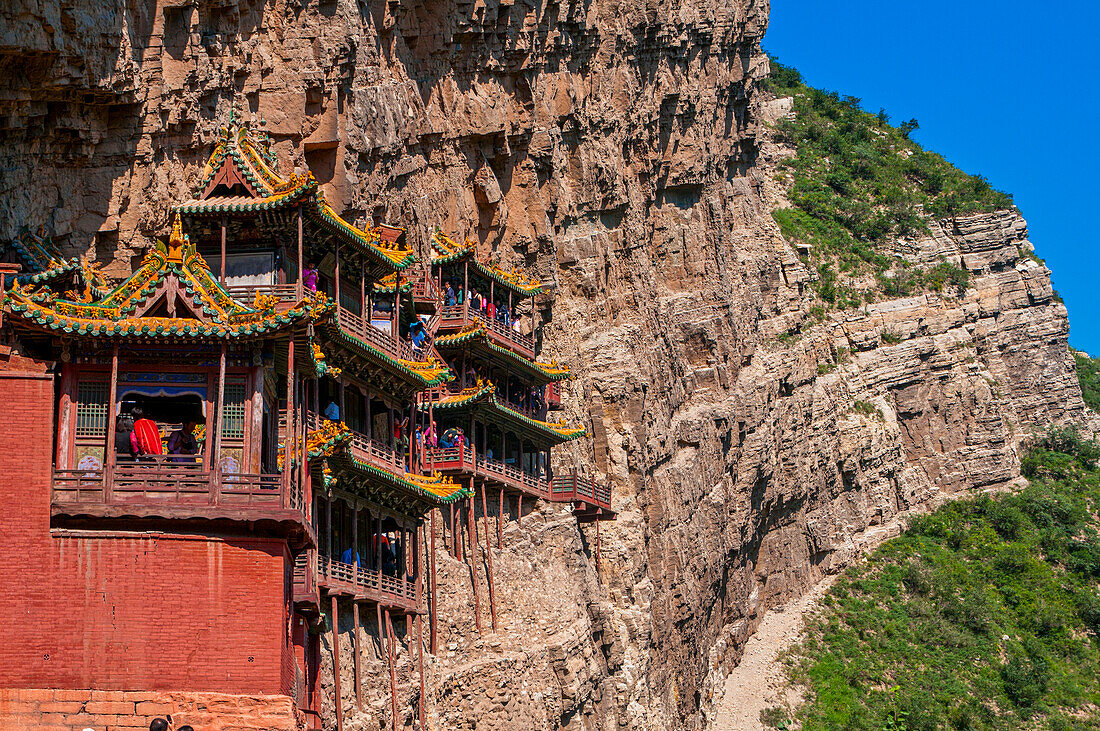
x: 176, y: 241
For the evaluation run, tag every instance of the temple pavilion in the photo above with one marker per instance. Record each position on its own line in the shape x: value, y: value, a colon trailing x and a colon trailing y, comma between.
x: 335, y: 392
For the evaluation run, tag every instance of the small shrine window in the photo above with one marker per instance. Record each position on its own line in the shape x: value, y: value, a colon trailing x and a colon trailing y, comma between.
x: 233, y: 410
x: 91, y: 409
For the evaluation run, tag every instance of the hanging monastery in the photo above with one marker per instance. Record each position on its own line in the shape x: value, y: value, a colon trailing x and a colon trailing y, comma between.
x: 354, y: 413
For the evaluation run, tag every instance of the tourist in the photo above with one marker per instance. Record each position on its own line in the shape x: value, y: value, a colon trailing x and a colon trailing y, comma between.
x: 309, y: 277
x: 125, y: 443
x: 332, y: 411
x: 491, y: 310
x: 430, y: 438
x: 449, y: 295
x: 350, y: 556
x: 183, y: 442
x: 146, y: 435
x: 159, y: 724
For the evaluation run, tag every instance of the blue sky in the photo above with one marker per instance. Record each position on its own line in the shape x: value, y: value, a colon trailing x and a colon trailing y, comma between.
x: 1008, y: 90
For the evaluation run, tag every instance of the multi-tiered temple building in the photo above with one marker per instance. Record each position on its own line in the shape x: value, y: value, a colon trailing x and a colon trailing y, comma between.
x: 274, y: 417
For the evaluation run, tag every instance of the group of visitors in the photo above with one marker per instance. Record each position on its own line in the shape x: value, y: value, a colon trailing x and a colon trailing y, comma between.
x: 479, y: 303
x: 137, y: 438
x: 387, y: 555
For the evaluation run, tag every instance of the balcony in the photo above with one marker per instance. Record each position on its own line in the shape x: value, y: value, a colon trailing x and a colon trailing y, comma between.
x: 462, y: 459
x: 592, y: 501
x: 337, y: 577
x: 160, y: 489
x: 358, y: 327
x: 365, y: 449
x: 286, y: 295
x: 456, y: 317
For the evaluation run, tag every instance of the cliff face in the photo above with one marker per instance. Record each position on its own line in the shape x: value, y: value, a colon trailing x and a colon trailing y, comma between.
x: 617, y: 149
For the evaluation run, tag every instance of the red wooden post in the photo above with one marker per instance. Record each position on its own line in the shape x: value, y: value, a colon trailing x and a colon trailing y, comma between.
x: 299, y: 286
x: 355, y: 660
x: 500, y: 521
x: 519, y: 510
x: 431, y: 568
x: 218, y: 426
x: 222, y: 278
x: 336, y: 664
x: 471, y: 529
x: 393, y: 672
x: 109, y: 457
x: 420, y: 659
x: 489, y: 555
x: 290, y: 436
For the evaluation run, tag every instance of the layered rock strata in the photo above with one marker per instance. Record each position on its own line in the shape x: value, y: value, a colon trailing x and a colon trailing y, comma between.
x: 754, y: 441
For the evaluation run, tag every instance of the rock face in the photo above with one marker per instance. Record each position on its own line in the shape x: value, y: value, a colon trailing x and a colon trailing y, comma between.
x: 617, y: 149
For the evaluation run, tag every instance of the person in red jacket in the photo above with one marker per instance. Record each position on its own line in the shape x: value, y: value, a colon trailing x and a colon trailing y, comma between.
x: 146, y: 436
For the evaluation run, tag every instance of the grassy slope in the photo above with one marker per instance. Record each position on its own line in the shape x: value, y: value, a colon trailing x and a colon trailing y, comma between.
x: 858, y: 184
x: 984, y: 614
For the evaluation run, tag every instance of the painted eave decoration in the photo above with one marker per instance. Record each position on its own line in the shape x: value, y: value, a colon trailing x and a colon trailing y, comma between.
x: 484, y: 395
x: 445, y: 251
x: 476, y: 331
x: 173, y: 272
x: 43, y: 265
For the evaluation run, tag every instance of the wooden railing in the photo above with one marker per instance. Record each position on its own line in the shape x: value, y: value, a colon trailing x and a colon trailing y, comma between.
x: 364, y: 580
x: 565, y: 488
x: 457, y: 317
x: 514, y: 476
x: 424, y: 287
x: 362, y: 446
x: 357, y: 326
x: 305, y: 576
x: 247, y: 292
x: 162, y: 484
x: 463, y: 459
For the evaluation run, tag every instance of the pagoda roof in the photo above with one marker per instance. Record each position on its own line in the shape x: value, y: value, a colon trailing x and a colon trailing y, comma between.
x: 445, y: 251
x: 175, y: 275
x: 483, y: 397
x: 241, y: 178
x: 477, y: 335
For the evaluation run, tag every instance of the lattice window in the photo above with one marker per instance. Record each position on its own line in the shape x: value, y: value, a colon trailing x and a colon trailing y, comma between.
x: 91, y: 409
x: 233, y: 410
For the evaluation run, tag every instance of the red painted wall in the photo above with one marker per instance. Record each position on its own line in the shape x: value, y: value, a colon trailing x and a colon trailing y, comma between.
x: 141, y: 611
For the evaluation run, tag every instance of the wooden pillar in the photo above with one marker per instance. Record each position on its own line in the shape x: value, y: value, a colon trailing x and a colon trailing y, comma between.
x: 597, y: 545
x: 393, y: 672
x: 420, y: 660
x: 336, y: 274
x: 328, y: 525
x: 255, y: 433
x: 432, y: 586
x: 489, y: 556
x: 112, y: 397
x: 341, y: 389
x: 500, y: 520
x: 290, y: 434
x: 378, y: 545
x: 299, y: 287
x: 363, y: 290
x: 471, y: 529
x: 218, y: 414
x: 222, y: 279
x: 336, y: 664
x: 466, y: 289
x: 519, y: 510
x: 357, y: 650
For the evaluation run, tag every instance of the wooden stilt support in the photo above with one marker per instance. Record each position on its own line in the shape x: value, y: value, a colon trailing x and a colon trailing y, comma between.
x: 393, y: 672
x: 336, y: 664
x: 382, y: 652
x: 597, y: 546
x: 519, y: 510
x: 356, y: 650
x: 471, y: 529
x: 423, y: 690
x: 489, y: 557
x: 500, y: 521
x: 431, y: 572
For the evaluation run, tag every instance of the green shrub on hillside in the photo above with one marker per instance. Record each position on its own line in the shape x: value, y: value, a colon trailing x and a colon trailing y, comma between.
x: 857, y: 185
x: 1088, y: 373
x: 982, y: 615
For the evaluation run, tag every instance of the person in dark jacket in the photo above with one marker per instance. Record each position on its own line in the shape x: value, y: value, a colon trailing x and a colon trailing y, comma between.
x: 124, y: 441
